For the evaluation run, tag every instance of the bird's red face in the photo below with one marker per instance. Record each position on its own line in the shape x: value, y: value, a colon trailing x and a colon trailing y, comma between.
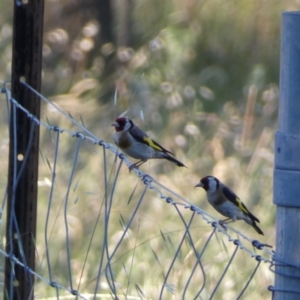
x: 122, y: 124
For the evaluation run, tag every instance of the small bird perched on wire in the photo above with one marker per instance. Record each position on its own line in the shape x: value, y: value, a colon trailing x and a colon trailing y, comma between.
x: 226, y: 202
x: 137, y: 144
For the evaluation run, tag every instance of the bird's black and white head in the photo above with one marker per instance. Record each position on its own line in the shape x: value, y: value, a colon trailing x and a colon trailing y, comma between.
x: 122, y: 124
x: 209, y: 183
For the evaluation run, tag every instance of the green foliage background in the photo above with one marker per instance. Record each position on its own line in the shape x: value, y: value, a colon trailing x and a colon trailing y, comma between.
x: 200, y: 76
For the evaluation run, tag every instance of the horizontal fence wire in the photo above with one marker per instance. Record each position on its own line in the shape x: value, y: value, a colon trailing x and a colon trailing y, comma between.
x: 104, y: 276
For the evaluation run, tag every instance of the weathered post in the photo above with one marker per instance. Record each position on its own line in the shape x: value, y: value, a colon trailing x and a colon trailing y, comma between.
x: 287, y: 164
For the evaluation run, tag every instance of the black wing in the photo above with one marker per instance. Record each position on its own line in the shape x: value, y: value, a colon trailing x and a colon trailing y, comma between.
x: 142, y: 137
x: 232, y: 197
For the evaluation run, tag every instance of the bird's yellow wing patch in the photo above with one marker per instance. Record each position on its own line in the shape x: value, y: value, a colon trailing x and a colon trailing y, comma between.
x: 241, y: 205
x: 153, y: 144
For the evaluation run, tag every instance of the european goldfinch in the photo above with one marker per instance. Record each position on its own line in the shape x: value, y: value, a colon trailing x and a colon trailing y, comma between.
x: 137, y: 144
x: 226, y: 202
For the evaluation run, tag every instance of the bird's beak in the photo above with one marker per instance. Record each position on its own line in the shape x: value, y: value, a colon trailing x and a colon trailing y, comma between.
x: 115, y: 124
x: 199, y: 185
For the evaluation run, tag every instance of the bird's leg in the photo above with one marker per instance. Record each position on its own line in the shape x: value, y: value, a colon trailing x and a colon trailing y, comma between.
x: 136, y: 165
x: 223, y: 222
x: 226, y: 221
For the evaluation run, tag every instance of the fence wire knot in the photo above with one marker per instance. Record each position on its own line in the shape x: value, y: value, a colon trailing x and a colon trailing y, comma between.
x: 74, y: 292
x: 214, y: 224
x: 54, y: 284
x: 57, y: 129
x: 237, y: 242
x: 169, y: 200
x: 147, y: 179
x: 79, y: 135
x: 121, y: 156
x: 259, y: 245
x: 258, y: 257
x: 191, y: 207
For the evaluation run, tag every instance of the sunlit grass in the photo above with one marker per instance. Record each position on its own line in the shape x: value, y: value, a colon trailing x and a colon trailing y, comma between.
x: 224, y: 145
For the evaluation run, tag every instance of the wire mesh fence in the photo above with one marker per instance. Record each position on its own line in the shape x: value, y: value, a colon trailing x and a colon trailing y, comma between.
x: 107, y: 233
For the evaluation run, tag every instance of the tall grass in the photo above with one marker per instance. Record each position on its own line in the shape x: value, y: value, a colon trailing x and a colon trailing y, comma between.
x: 205, y: 76
x: 233, y: 146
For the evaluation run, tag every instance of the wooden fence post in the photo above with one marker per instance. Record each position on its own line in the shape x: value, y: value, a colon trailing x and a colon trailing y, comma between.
x: 23, y: 149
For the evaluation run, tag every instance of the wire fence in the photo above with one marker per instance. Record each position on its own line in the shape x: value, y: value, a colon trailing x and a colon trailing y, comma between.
x: 105, y: 233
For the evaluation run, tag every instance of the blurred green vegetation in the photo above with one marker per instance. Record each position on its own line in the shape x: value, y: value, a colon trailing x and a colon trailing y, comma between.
x: 204, y: 76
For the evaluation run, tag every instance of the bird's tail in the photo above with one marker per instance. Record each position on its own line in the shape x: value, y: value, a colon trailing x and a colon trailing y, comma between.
x: 174, y: 160
x: 258, y: 230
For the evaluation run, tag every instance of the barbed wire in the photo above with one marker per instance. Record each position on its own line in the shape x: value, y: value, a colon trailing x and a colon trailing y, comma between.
x: 175, y: 200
